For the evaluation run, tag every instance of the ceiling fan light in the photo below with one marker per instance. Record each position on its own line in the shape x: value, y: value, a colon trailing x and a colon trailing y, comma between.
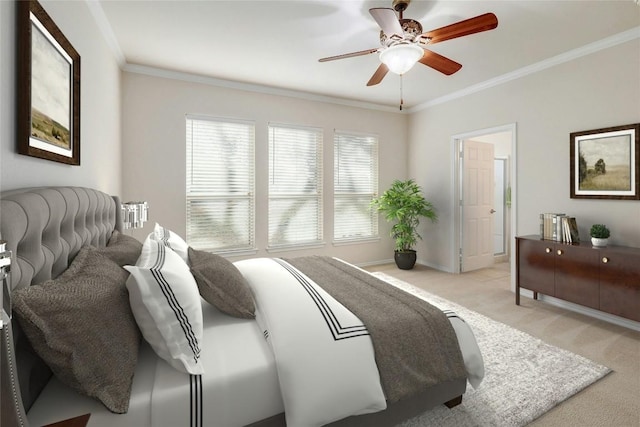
x: 401, y: 57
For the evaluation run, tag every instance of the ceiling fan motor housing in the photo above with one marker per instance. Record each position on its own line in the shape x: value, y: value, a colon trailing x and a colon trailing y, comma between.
x: 411, y: 28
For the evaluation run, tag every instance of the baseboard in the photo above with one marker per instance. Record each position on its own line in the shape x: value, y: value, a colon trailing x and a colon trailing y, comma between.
x: 600, y: 315
x: 446, y: 269
x: 371, y: 263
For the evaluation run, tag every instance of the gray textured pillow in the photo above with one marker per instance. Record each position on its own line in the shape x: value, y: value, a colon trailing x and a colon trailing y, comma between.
x: 122, y: 249
x: 221, y: 284
x: 81, y: 325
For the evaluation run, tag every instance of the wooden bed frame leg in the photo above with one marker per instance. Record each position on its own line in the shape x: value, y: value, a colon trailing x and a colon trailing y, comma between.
x: 454, y: 402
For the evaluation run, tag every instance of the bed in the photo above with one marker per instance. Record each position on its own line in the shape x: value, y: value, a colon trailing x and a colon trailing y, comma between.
x: 248, y: 369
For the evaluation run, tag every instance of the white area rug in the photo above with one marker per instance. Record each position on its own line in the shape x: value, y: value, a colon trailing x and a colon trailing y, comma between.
x: 524, y: 376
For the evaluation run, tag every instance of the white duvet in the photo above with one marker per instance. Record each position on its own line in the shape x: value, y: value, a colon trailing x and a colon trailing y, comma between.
x: 324, y: 355
x: 320, y: 369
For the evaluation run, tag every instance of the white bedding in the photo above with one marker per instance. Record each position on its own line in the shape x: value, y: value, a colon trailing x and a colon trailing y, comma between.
x: 240, y: 383
x: 324, y: 355
x: 240, y: 376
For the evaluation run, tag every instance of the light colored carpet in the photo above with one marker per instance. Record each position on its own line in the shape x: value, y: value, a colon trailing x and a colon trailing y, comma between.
x: 524, y: 376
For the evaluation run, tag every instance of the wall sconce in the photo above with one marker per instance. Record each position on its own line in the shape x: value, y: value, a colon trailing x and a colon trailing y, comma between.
x: 134, y: 214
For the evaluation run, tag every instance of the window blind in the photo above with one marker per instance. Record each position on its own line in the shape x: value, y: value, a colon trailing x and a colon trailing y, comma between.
x: 220, y: 183
x: 355, y: 185
x: 295, y: 185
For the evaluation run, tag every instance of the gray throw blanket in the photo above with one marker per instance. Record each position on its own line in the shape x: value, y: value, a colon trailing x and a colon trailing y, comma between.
x: 415, y: 345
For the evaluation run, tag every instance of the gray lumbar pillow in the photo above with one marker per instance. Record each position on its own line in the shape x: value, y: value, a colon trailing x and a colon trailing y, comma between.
x: 221, y: 284
x: 81, y: 325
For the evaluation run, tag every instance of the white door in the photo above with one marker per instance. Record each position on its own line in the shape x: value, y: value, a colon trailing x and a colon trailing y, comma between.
x: 477, y: 205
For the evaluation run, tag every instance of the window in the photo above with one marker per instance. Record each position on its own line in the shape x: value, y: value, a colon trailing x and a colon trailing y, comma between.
x: 220, y: 184
x: 355, y: 185
x: 295, y: 185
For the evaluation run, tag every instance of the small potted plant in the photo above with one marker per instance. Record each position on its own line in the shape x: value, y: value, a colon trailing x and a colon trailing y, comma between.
x: 404, y: 205
x: 599, y: 235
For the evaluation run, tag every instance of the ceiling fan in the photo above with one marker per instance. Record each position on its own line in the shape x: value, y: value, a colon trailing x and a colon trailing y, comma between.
x: 403, y: 42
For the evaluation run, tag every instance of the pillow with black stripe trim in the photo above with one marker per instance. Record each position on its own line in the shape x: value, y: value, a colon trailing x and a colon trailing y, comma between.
x: 167, y: 306
x: 171, y: 240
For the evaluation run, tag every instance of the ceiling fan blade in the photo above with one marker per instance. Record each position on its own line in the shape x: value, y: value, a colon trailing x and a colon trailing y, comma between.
x: 480, y: 23
x: 387, y: 20
x: 439, y: 62
x: 348, y: 55
x: 378, y: 75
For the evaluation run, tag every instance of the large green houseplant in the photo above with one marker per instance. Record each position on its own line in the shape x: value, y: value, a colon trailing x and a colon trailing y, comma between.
x: 404, y: 205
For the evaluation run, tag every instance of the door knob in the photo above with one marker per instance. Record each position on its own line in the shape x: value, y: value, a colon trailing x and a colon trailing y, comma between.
x: 492, y: 211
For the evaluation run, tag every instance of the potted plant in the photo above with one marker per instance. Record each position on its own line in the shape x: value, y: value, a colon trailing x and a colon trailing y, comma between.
x: 404, y: 205
x: 599, y: 235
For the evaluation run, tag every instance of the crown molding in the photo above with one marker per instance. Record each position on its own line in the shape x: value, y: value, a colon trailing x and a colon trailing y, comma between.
x: 588, y: 49
x: 105, y: 28
x: 248, y: 87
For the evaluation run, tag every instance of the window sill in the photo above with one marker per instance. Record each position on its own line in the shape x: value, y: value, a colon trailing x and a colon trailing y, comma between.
x: 285, y: 248
x: 354, y: 241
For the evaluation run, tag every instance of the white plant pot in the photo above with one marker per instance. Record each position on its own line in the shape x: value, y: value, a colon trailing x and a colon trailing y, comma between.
x: 595, y: 241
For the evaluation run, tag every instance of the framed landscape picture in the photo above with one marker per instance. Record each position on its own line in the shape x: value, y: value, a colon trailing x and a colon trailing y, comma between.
x: 48, y: 91
x: 605, y: 163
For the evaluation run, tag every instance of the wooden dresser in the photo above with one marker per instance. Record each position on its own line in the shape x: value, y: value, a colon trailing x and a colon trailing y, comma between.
x: 606, y: 279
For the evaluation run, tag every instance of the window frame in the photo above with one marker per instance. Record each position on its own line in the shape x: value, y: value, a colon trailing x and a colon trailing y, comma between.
x: 247, y: 246
x: 339, y: 195
x: 318, y: 134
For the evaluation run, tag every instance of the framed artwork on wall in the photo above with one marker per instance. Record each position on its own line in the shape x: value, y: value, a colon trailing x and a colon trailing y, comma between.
x: 605, y: 163
x: 48, y: 88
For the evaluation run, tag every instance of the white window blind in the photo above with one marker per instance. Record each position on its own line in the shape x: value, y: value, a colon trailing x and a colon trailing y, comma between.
x: 355, y: 185
x: 295, y: 185
x: 220, y: 183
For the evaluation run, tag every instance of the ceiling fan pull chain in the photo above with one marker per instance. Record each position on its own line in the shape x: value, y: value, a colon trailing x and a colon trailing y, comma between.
x: 401, y: 100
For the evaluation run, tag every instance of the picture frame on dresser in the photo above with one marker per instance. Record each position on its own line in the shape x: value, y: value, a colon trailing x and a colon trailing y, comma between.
x: 48, y: 88
x: 605, y: 163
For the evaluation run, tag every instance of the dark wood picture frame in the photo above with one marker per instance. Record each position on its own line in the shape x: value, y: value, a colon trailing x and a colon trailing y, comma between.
x: 605, y: 163
x: 48, y: 88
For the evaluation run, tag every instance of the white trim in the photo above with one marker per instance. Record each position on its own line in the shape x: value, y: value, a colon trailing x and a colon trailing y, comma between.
x: 295, y: 247
x: 211, y: 81
x: 588, y: 49
x: 107, y: 32
x: 433, y: 265
x: 354, y: 241
x: 456, y: 229
x: 372, y: 263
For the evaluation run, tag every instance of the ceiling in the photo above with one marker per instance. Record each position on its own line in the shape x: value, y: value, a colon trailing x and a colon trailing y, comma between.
x: 277, y: 44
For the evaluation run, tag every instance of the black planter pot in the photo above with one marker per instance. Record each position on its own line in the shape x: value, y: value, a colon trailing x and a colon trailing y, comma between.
x: 405, y: 260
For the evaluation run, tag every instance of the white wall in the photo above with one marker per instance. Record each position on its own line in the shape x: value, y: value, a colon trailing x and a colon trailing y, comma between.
x: 595, y: 91
x: 100, y: 114
x: 154, y: 153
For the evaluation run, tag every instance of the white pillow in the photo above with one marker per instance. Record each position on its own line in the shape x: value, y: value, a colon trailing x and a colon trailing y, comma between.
x: 166, y: 304
x: 172, y: 240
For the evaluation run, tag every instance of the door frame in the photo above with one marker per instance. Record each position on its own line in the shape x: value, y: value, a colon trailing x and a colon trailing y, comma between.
x: 456, y: 146
x: 506, y: 237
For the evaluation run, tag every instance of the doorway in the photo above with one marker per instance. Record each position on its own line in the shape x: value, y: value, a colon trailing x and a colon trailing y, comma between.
x: 484, y: 230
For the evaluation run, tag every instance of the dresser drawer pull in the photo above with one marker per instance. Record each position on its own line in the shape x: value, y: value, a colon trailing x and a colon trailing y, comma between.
x: 605, y: 259
x: 560, y: 252
x: 547, y: 250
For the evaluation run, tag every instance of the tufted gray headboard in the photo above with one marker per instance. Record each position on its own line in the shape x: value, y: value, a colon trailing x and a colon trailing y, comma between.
x: 45, y: 228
